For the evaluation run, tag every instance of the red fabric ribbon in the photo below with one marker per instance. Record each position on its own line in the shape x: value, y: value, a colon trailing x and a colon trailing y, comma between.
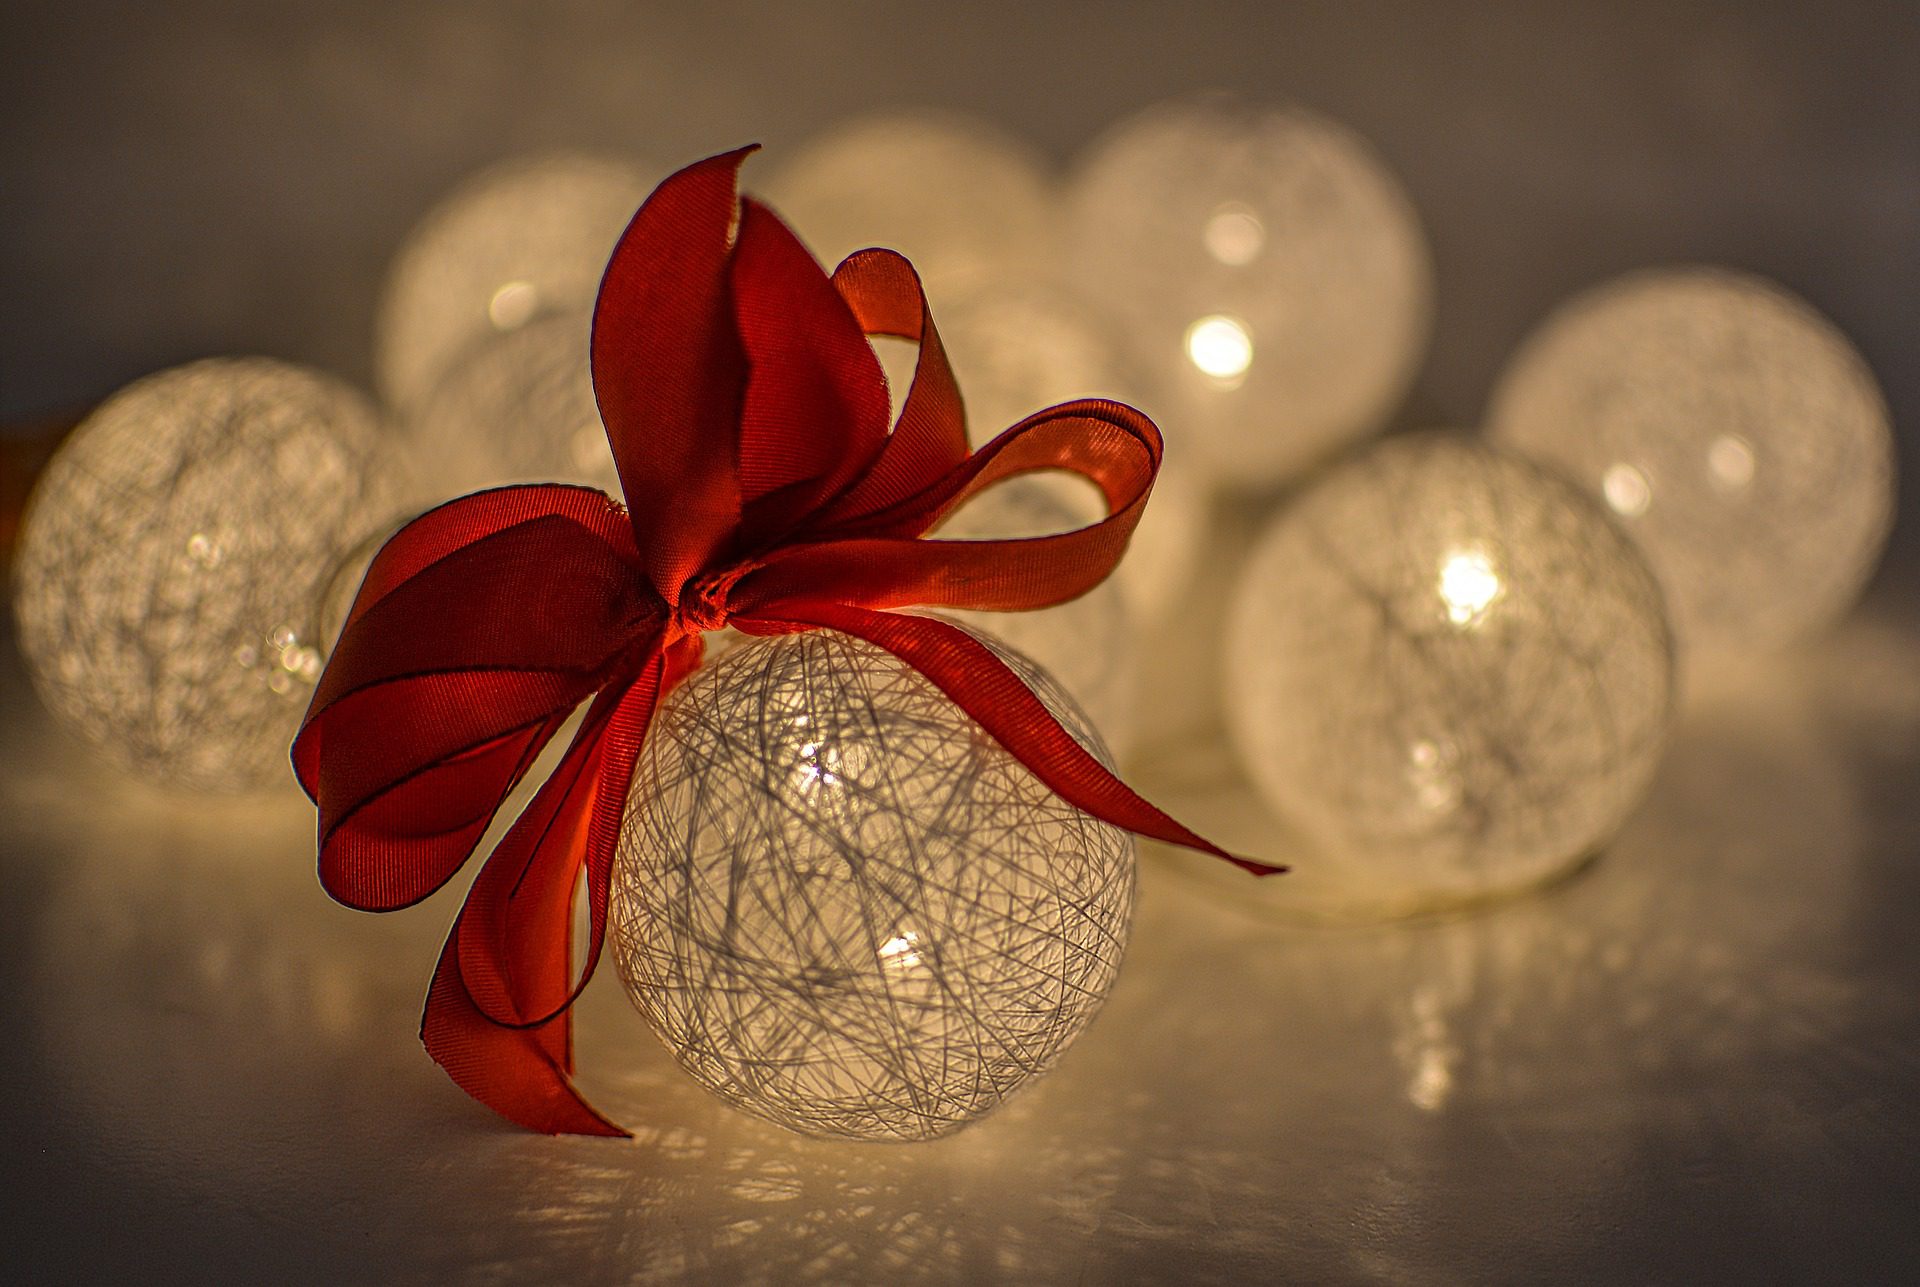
x: 748, y: 419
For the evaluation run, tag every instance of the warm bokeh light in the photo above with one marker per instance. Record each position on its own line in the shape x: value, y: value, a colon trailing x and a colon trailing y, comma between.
x: 1220, y: 346
x: 1468, y: 585
x: 845, y: 908
x: 1234, y: 234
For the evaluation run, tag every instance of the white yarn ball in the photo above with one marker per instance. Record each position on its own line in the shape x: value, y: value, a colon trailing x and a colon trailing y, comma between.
x: 1268, y: 271
x: 516, y: 242
x: 965, y: 202
x: 174, y: 560
x: 844, y: 907
x: 1450, y: 668
x: 518, y: 408
x: 1736, y: 432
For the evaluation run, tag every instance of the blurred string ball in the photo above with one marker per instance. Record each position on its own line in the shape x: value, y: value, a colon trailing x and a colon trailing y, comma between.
x: 1022, y: 347
x: 1269, y: 274
x: 1450, y: 669
x: 517, y: 408
x: 1086, y: 644
x: 844, y: 907
x: 966, y: 203
x: 174, y: 560
x: 516, y: 242
x: 1734, y: 430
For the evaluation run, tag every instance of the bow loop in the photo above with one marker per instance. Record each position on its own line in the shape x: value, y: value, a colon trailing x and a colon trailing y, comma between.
x: 436, y: 699
x: 1111, y: 445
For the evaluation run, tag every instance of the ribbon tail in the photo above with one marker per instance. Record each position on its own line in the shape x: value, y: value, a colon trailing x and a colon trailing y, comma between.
x: 520, y: 1073
x: 982, y: 685
x: 499, y: 1013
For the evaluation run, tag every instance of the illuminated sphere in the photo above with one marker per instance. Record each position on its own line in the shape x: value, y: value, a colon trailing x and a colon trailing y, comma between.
x: 516, y: 409
x: 1269, y: 273
x: 1734, y: 430
x: 964, y: 202
x: 844, y: 907
x: 1087, y: 644
x: 516, y: 242
x: 1448, y: 667
x: 175, y: 557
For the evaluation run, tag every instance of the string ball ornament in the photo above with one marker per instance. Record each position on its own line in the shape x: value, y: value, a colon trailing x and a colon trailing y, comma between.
x: 968, y: 204
x: 519, y: 408
x: 175, y: 560
x: 1269, y: 274
x: 519, y: 241
x: 1450, y: 669
x: 1733, y: 429
x: 844, y: 907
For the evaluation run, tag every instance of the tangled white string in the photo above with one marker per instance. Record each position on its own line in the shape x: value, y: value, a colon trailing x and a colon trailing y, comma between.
x: 845, y: 907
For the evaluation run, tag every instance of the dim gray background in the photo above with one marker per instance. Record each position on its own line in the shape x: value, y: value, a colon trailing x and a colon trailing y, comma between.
x: 199, y: 177
x: 194, y: 177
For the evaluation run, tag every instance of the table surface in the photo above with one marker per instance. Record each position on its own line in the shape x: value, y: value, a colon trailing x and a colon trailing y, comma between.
x: 1699, y: 1057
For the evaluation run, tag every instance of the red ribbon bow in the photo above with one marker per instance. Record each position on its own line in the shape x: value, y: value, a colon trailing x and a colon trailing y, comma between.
x: 748, y: 419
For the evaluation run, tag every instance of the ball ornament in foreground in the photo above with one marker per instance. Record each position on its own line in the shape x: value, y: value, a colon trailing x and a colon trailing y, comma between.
x: 844, y: 907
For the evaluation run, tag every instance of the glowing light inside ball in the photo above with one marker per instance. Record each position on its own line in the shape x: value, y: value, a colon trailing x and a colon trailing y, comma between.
x: 1220, y: 347
x: 844, y: 907
x: 1268, y: 273
x: 1450, y: 668
x: 522, y: 240
x: 1736, y: 430
x: 175, y: 557
x: 1469, y: 585
x: 966, y: 203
